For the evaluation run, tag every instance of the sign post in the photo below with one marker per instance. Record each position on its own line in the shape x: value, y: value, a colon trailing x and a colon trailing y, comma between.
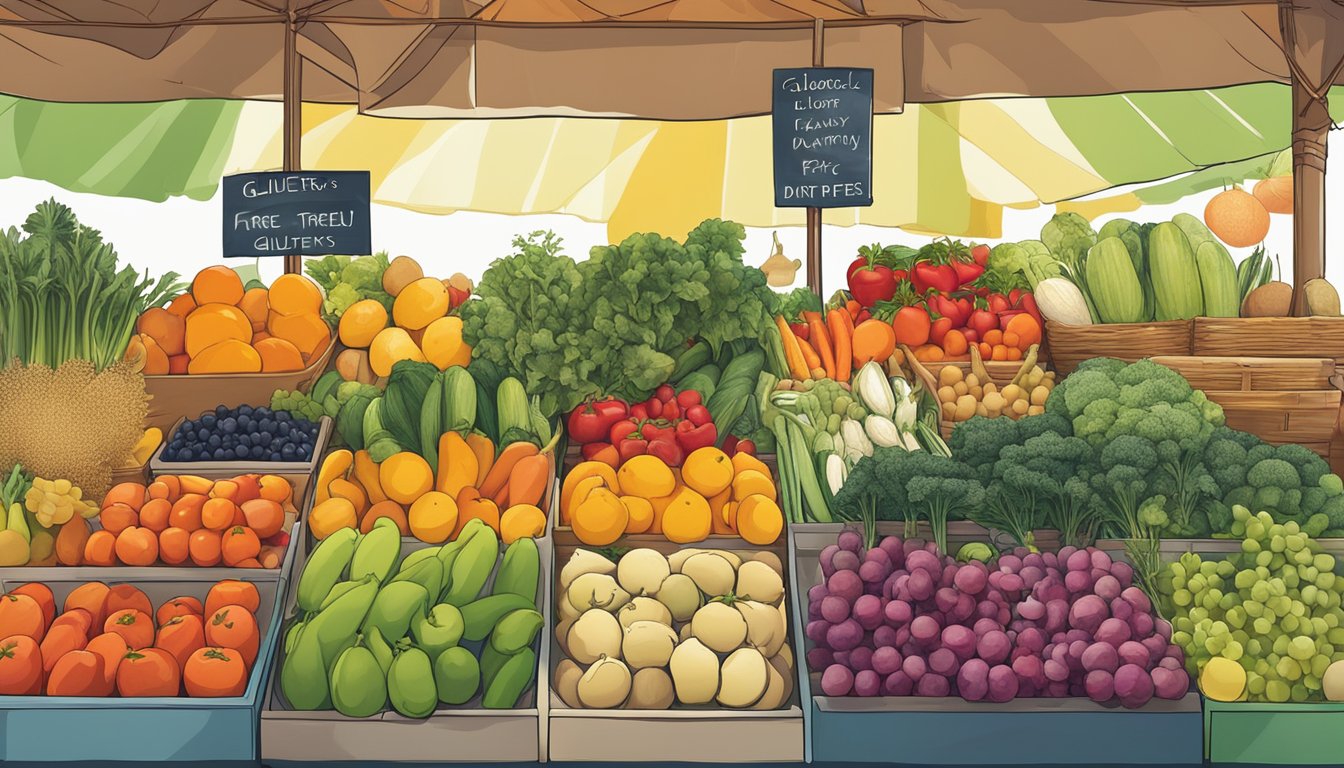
x: 822, y: 122
x: 303, y: 213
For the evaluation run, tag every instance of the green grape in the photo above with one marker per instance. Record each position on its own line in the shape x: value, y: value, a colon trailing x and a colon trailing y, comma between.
x: 1260, y: 591
x: 1289, y: 623
x: 1262, y: 625
x: 1182, y: 639
x: 1301, y: 647
x: 1277, y: 543
x: 1255, y: 684
x: 1253, y: 609
x: 1288, y: 669
x: 1324, y: 563
x: 1181, y: 597
x: 1280, y: 646
x: 1177, y: 570
x: 1318, y: 666
x: 1232, y: 650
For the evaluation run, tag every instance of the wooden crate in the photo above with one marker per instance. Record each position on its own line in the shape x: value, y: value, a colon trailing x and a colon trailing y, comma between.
x: 1072, y: 344
x: 1245, y: 374
x: 1270, y: 336
x: 1306, y: 418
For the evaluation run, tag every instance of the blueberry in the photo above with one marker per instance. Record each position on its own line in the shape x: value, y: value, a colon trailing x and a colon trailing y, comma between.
x: 184, y: 455
x: 263, y: 412
x: 287, y: 452
x: 282, y: 416
x: 275, y: 456
x: 246, y: 440
x: 214, y: 441
x: 228, y: 426
x: 241, y: 452
x: 208, y: 421
x: 245, y: 424
x: 202, y: 435
x: 221, y: 411
x: 187, y: 426
x: 261, y: 438
x: 282, y: 427
x: 266, y: 425
x: 306, y: 452
x: 244, y: 410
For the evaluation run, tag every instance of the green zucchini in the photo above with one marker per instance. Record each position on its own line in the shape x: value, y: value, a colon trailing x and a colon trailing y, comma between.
x: 1176, y: 285
x: 1114, y: 284
x: 1218, y: 279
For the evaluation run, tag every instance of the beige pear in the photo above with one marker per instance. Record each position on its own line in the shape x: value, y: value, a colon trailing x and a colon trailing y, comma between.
x: 695, y: 672
x: 581, y: 562
x: 642, y: 571
x: 605, y: 685
x: 744, y: 678
x: 594, y: 635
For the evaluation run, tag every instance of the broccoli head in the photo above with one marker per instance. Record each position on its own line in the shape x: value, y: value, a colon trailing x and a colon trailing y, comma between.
x: 978, y: 441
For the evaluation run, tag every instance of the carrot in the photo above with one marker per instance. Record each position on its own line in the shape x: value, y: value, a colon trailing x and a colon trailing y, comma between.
x: 844, y: 343
x: 873, y: 340
x: 810, y: 356
x: 853, y: 308
x: 497, y: 480
x: 954, y: 343
x: 793, y: 355
x: 823, y: 341
x: 1027, y: 329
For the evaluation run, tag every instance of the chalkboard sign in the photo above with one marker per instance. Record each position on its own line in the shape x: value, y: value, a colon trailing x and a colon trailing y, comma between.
x: 823, y: 137
x: 302, y: 213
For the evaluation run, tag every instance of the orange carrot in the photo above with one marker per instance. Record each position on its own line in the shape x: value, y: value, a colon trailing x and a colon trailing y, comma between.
x: 793, y: 355
x: 823, y: 342
x: 810, y: 356
x: 844, y: 343
x: 873, y: 340
x: 853, y: 308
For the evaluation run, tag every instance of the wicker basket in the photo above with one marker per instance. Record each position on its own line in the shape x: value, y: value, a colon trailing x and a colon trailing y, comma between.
x: 1072, y: 344
x: 1270, y: 336
x: 1001, y: 371
x: 1306, y: 418
x: 1245, y: 374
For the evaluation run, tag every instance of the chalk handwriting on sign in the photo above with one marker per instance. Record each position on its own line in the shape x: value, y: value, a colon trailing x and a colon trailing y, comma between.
x: 822, y: 118
x: 305, y: 213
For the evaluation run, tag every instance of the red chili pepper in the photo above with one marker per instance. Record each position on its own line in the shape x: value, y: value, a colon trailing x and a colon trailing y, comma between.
x: 1029, y: 304
x: 591, y: 422
x: 666, y: 448
x: 691, y: 437
x: 980, y: 253
x: 998, y: 303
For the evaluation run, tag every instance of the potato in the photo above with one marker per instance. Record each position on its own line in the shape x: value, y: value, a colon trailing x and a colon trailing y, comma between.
x: 641, y: 571
x: 651, y: 689
x: 1039, y: 395
x: 695, y: 672
x: 567, y: 675
x: 712, y: 573
x: 594, y: 635
x: 946, y: 394
x: 961, y: 388
x: 972, y: 380
x: 562, y: 633
x: 643, y: 609
x: 400, y: 273
x: 606, y: 684
x: 989, y: 387
x: 1035, y: 410
x: 965, y: 408
x: 994, y: 402
x: 648, y: 644
x: 684, y: 633
x: 720, y: 627
x: 680, y: 595
x: 1012, y: 392
x: 744, y: 677
x: 760, y: 582
x: 949, y: 375
x: 1020, y: 407
x: 596, y: 590
x: 981, y: 410
x: 948, y: 411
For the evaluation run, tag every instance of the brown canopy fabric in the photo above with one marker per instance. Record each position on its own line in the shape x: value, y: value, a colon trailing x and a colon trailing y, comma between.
x: 665, y: 59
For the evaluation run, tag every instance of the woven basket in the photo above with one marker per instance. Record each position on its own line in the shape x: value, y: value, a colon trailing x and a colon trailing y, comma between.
x: 1269, y: 337
x: 1001, y: 371
x: 1072, y: 344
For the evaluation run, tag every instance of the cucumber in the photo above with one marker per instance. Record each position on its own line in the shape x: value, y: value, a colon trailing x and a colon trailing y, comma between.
x: 1114, y: 284
x: 1176, y: 285
x: 1218, y: 278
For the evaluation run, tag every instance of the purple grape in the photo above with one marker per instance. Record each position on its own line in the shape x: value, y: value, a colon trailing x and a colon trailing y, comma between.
x: 1136, y: 597
x: 902, y: 636
x: 886, y: 660
x: 845, y: 585
x: 883, y: 637
x: 897, y: 684
x: 964, y: 610
x: 1012, y: 583
x: 973, y: 680
x: 861, y: 658
x: 1002, y: 683
x: 1170, y: 684
x: 1157, y: 648
x: 1076, y: 649
x: 983, y: 625
x: 1057, y: 690
x: 837, y: 681
x: 987, y: 609
x: 1100, y: 559
x: 1133, y: 685
x: 1133, y: 653
x: 1031, y: 609
x: 834, y: 609
x: 994, y: 647
x: 914, y: 667
x: 1078, y: 581
x: 1101, y: 656
x: 845, y: 560
x: 921, y: 560
x: 1114, y: 632
x: 844, y: 636
x: 1107, y: 588
x: 819, y: 659
x: 1143, y: 624
x: 898, y: 613
x: 1056, y: 671
x: 873, y: 572
x: 920, y: 585
x: 850, y: 540
x: 1123, y: 573
x: 945, y: 599
x: 1121, y: 609
x: 924, y: 629
x: 959, y: 640
x: 868, y: 611
x: 949, y: 574
x: 1032, y: 639
x: 971, y: 578
x: 933, y: 686
x: 1029, y: 669
x: 827, y: 560
x: 1063, y: 557
x: 841, y: 657
x: 1087, y: 613
x: 1169, y: 662
x: 944, y: 662
x: 1045, y: 560
x: 1010, y: 563
x: 1163, y: 628
x: 1030, y: 575
x: 867, y: 683
x: 816, y: 631
x: 895, y: 554
x: 1056, y: 614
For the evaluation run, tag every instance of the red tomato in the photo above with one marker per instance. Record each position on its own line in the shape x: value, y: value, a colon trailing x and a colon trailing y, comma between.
x: 982, y: 321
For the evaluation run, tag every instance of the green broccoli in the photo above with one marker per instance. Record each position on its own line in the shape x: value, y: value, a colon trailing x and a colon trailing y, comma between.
x: 863, y: 493
x: 1124, y: 468
x: 978, y: 442
x: 1051, y: 471
x: 939, y: 489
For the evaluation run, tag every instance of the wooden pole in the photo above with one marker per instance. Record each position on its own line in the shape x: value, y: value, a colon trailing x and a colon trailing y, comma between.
x: 293, y: 112
x: 814, y: 214
x: 1311, y: 128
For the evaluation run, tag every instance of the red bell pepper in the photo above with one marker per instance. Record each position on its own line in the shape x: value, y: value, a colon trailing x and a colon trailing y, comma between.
x: 955, y: 310
x: 591, y: 422
x: 623, y: 429
x: 1029, y: 304
x: 691, y: 437
x: 652, y: 430
x: 929, y: 275
x: 639, y: 412
x: 698, y: 415
x: 665, y: 393
x: 967, y: 271
x: 997, y: 303
x: 631, y: 447
x: 666, y: 448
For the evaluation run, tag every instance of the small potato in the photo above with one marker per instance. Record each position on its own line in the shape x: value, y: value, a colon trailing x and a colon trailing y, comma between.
x: 1035, y: 410
x: 949, y: 375
x: 972, y: 380
x: 990, y: 387
x: 949, y: 410
x: 994, y: 402
x: 1034, y: 377
x: 784, y: 385
x: 947, y: 394
x: 977, y: 392
x: 1020, y: 407
x: 981, y: 410
x: 965, y: 408
x: 960, y: 388
x: 1012, y: 392
x: 1038, y: 395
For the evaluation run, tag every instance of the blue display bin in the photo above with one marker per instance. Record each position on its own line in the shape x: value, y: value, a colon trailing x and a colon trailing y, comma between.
x: 913, y: 730
x: 40, y: 729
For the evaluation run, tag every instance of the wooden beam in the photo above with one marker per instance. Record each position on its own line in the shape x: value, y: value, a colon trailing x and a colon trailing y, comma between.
x: 814, y: 214
x: 293, y: 112
x: 1311, y: 128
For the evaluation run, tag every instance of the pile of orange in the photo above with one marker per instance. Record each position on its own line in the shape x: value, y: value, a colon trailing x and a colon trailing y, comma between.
x: 242, y: 522
x: 110, y: 640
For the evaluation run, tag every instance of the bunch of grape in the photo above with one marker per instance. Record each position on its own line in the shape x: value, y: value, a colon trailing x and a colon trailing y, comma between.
x: 56, y: 502
x: 1274, y: 608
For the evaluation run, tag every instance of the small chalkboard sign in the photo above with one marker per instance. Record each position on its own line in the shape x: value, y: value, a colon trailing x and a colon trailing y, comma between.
x: 302, y: 213
x: 823, y: 137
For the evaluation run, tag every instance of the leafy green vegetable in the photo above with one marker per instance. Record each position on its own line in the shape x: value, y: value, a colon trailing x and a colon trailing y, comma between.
x: 62, y: 296
x: 793, y: 304
x: 1029, y: 258
x: 346, y: 280
x: 403, y: 399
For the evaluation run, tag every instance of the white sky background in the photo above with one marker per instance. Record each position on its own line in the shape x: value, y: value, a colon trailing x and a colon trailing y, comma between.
x: 184, y: 235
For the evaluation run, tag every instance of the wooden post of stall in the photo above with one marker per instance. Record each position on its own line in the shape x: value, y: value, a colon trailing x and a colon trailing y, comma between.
x: 1311, y: 128
x: 814, y: 214
x: 293, y: 111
